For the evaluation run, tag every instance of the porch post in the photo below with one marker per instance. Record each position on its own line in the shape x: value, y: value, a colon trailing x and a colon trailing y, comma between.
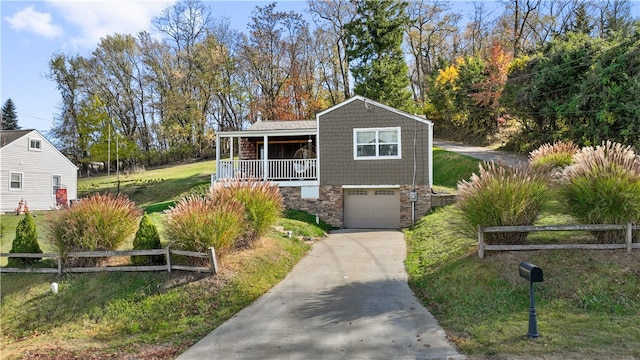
x: 217, y: 155
x: 231, y: 156
x: 265, y: 161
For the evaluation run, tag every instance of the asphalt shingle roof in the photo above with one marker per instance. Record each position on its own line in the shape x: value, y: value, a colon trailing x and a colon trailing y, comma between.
x: 9, y: 136
x: 283, y: 125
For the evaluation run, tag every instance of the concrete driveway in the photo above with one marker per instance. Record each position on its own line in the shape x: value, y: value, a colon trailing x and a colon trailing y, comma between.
x: 347, y: 299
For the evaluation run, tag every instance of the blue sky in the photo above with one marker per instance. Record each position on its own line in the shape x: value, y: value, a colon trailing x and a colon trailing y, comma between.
x: 33, y: 31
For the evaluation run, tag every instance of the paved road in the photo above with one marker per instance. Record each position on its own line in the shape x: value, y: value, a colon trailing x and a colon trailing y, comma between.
x: 348, y: 299
x: 478, y: 152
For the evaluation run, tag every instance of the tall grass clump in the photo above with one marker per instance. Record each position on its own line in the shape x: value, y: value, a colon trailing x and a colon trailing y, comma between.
x: 96, y: 223
x: 603, y: 187
x: 26, y: 242
x: 197, y: 223
x: 501, y: 196
x: 262, y: 202
x: 553, y: 156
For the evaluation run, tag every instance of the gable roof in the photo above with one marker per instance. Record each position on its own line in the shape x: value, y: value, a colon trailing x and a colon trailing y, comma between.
x: 369, y: 102
x: 9, y: 136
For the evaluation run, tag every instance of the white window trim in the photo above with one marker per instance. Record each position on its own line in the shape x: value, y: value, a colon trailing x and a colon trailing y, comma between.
x: 35, y: 148
x: 53, y: 194
x: 377, y: 157
x: 21, y: 181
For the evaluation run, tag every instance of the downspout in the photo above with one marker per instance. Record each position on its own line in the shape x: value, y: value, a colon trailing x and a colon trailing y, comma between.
x: 413, y: 194
x: 430, y: 155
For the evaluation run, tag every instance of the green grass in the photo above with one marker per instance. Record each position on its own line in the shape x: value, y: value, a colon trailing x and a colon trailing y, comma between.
x: 449, y: 168
x: 589, y: 303
x: 156, y: 314
x: 298, y: 223
x: 152, y: 188
x: 104, y: 314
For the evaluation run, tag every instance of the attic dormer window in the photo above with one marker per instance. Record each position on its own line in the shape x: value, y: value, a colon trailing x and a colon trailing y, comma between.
x: 376, y: 143
x: 35, y: 144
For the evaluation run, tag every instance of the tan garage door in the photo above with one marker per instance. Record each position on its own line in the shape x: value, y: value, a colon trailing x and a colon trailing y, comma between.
x: 371, y: 208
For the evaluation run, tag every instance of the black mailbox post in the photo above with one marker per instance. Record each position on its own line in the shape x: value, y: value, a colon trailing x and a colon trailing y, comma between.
x: 532, y: 274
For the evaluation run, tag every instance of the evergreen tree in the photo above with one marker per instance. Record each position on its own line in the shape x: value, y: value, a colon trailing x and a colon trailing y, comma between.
x: 26, y: 241
x: 147, y: 238
x: 375, y: 52
x: 582, y: 22
x: 9, y: 117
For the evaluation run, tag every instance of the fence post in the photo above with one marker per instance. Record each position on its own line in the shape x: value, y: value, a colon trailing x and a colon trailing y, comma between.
x: 214, y: 262
x: 167, y: 257
x: 480, y: 242
x: 59, y: 265
x: 629, y: 236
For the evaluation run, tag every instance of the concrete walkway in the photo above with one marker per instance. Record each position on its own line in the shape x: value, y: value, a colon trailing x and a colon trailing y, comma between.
x: 479, y: 152
x: 347, y: 299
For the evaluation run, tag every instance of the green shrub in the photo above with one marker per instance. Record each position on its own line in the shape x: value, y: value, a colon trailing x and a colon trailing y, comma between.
x: 262, y: 202
x: 196, y: 223
x: 556, y: 155
x: 26, y: 241
x: 603, y: 187
x: 96, y: 223
x: 501, y: 196
x: 147, y: 238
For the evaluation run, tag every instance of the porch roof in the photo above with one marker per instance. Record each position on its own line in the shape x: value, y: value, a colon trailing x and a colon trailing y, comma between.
x: 275, y: 128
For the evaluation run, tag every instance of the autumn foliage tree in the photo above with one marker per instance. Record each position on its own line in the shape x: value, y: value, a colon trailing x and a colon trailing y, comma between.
x: 466, y: 94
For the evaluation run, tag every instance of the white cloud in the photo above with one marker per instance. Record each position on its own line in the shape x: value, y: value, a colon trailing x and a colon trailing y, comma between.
x: 34, y: 21
x: 96, y: 19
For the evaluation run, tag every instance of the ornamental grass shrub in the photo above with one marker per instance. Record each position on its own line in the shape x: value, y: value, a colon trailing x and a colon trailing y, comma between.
x: 553, y: 156
x: 147, y: 238
x: 197, y: 223
x: 501, y: 196
x: 25, y: 242
x: 96, y: 223
x: 602, y: 186
x: 262, y: 203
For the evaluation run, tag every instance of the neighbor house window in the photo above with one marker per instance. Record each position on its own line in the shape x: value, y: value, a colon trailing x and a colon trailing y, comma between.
x: 15, y: 181
x: 380, y: 143
x: 56, y: 180
x: 35, y: 144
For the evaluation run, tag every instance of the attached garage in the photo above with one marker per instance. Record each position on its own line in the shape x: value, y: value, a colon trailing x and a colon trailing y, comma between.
x: 372, y: 208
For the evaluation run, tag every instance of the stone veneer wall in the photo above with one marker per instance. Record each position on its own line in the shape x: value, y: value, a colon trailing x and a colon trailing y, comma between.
x: 422, y: 206
x: 443, y: 199
x: 329, y: 206
x: 248, y: 150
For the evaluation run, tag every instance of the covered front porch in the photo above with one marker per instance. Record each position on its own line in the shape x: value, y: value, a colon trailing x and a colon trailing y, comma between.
x: 280, y: 151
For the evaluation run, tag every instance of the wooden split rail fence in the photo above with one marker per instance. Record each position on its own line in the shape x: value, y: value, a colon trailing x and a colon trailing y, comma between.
x: 629, y: 244
x: 167, y: 252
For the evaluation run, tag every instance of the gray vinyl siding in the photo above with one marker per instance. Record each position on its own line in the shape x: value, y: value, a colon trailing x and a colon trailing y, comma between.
x: 37, y: 168
x: 337, y: 164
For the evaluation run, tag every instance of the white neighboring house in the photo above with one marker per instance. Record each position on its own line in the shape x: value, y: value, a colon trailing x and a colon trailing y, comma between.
x: 32, y: 169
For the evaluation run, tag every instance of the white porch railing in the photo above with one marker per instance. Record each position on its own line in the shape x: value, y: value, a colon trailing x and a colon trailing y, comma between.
x: 275, y: 170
